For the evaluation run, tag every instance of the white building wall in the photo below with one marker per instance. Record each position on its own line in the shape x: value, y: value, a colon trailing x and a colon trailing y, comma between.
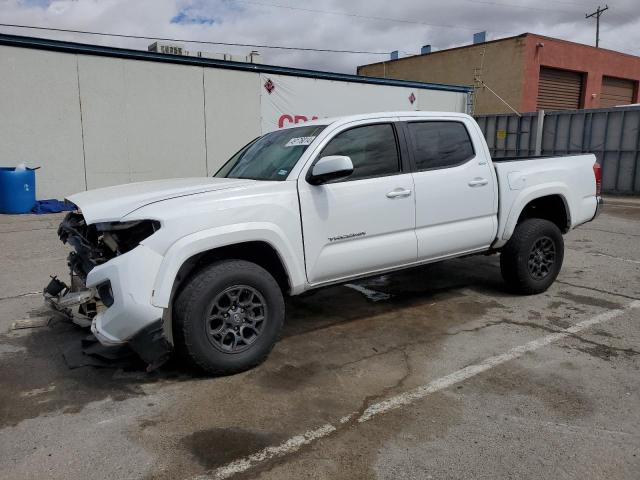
x: 93, y: 121
x: 313, y: 97
x: 40, y: 118
x: 441, y: 101
x: 142, y: 120
x: 232, y: 109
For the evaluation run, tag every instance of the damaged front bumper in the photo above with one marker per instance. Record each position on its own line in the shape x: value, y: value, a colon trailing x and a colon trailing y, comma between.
x: 127, y: 281
x: 77, y: 303
x: 112, y: 295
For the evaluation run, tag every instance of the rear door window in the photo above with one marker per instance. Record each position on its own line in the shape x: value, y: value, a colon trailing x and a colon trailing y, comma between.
x: 440, y: 144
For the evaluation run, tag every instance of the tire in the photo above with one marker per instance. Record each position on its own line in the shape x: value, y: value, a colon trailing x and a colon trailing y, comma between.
x: 217, y: 336
x: 532, y: 258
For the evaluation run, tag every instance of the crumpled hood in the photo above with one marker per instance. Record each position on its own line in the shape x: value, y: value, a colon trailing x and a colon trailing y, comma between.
x: 112, y: 203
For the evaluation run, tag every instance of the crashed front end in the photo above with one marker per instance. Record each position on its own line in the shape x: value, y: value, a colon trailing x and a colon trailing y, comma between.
x: 112, y: 278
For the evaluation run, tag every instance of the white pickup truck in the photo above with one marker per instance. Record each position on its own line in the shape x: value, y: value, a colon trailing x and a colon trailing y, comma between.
x: 202, y: 265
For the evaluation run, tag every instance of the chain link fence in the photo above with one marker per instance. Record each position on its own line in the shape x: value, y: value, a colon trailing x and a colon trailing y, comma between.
x: 612, y: 134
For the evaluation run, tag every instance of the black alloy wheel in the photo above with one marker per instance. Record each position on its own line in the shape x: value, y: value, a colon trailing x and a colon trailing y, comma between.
x: 236, y: 318
x: 542, y: 258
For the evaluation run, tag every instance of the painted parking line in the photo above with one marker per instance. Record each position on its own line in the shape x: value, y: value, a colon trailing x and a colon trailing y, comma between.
x: 295, y: 443
x: 629, y: 260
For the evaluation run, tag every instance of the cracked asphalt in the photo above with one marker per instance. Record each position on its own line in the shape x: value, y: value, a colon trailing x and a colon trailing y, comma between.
x: 568, y: 407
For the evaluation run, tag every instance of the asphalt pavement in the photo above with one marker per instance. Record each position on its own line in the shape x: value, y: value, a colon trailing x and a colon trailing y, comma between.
x: 435, y: 372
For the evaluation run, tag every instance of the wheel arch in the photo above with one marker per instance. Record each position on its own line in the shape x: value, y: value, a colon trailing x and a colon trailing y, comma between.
x: 549, y: 204
x: 259, y: 252
x: 261, y: 244
x: 549, y: 207
x: 255, y: 251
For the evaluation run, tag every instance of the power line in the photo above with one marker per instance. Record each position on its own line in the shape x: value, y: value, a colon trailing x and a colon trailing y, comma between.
x: 526, y: 7
x: 366, y: 17
x: 163, y: 39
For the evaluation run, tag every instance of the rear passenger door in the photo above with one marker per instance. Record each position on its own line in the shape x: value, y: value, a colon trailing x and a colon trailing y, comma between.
x: 365, y: 222
x: 456, y: 190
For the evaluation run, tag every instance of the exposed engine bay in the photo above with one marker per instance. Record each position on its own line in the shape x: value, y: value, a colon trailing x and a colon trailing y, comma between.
x: 93, y: 245
x: 98, y: 243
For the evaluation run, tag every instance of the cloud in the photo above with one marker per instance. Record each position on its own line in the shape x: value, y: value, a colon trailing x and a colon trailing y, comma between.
x: 185, y: 17
x: 369, y: 25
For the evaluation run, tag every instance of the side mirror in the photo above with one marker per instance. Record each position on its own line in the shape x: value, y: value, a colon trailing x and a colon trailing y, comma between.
x: 329, y: 168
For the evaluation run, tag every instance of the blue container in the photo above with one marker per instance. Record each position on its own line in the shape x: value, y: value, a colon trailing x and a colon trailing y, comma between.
x: 17, y: 190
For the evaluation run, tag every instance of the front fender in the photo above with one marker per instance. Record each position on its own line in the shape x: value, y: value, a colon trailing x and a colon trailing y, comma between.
x: 223, y: 236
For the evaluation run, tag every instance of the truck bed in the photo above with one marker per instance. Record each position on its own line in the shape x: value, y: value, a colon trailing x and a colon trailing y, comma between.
x: 521, y: 179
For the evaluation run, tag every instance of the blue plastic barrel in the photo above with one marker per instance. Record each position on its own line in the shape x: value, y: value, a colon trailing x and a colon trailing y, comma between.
x: 17, y: 190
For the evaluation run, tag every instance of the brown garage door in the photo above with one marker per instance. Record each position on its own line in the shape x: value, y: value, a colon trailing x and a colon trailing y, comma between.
x: 616, y: 91
x: 559, y: 89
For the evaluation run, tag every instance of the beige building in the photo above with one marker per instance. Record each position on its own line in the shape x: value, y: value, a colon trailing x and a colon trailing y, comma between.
x: 525, y: 73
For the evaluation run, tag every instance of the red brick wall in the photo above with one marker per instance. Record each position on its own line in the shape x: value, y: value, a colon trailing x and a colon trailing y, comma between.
x: 593, y: 62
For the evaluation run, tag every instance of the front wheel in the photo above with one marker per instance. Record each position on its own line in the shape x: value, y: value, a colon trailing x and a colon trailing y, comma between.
x: 229, y: 316
x: 532, y: 258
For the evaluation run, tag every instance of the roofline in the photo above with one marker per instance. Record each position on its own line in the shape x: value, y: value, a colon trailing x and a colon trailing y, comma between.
x: 578, y: 44
x: 522, y: 35
x: 98, y: 50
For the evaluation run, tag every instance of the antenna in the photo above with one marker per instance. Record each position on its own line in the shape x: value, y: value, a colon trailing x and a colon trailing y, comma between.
x: 597, y: 14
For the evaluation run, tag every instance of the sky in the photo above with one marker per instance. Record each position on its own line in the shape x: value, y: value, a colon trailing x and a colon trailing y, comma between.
x: 377, y: 26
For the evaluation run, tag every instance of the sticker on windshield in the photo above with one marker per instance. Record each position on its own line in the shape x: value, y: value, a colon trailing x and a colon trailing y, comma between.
x: 298, y: 141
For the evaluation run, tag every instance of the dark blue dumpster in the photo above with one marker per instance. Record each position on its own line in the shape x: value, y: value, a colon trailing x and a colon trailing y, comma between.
x: 17, y: 190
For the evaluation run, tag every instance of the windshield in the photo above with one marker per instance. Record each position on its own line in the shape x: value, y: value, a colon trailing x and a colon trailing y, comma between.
x: 272, y: 156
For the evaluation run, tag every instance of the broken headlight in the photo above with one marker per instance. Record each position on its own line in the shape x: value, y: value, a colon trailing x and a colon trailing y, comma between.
x: 97, y: 243
x: 121, y: 237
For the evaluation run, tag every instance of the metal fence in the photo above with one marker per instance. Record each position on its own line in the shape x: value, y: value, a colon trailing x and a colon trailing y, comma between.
x: 612, y: 134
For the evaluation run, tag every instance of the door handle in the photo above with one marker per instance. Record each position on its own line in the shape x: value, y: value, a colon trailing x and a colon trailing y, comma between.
x: 399, y: 193
x: 478, y: 182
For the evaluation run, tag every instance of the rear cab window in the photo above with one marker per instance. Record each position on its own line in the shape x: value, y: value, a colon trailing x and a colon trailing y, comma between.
x: 440, y: 144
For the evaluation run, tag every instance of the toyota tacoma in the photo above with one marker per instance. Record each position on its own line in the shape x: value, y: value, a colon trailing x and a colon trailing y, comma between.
x: 202, y: 265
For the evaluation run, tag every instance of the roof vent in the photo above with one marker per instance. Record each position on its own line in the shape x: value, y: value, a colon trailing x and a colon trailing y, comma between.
x: 169, y: 48
x: 394, y: 55
x: 480, y: 37
x: 425, y: 49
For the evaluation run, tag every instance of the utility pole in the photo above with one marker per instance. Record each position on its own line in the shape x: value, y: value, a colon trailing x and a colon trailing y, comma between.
x: 597, y: 14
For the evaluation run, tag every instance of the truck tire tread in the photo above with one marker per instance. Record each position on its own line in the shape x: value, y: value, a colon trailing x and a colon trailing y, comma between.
x: 514, y: 256
x: 197, y: 291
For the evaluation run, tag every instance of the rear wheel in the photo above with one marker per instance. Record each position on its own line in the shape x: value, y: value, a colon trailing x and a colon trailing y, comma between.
x: 532, y: 258
x: 229, y: 316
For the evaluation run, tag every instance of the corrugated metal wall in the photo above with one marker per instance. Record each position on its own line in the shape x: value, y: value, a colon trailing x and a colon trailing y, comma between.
x: 612, y: 134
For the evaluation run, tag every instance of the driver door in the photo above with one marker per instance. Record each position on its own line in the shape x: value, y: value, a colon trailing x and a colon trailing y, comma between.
x: 365, y: 222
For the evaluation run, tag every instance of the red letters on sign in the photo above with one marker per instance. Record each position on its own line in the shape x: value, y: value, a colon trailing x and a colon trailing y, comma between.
x: 282, y: 119
x: 286, y: 118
